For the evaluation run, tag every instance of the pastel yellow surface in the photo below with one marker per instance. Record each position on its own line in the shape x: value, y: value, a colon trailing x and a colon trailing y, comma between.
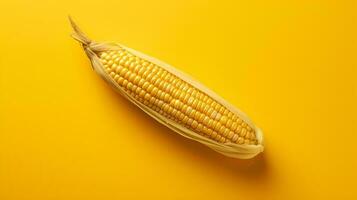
x: 290, y: 65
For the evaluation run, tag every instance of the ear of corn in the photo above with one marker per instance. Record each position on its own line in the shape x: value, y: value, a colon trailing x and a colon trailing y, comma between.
x: 173, y: 98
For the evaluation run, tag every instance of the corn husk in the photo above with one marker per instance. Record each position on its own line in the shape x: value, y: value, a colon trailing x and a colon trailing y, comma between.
x: 242, y: 151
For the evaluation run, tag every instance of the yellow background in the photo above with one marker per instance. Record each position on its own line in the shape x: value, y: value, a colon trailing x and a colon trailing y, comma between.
x: 290, y: 65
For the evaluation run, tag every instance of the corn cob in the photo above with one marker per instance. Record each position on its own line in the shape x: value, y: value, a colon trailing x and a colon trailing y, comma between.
x: 173, y: 98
